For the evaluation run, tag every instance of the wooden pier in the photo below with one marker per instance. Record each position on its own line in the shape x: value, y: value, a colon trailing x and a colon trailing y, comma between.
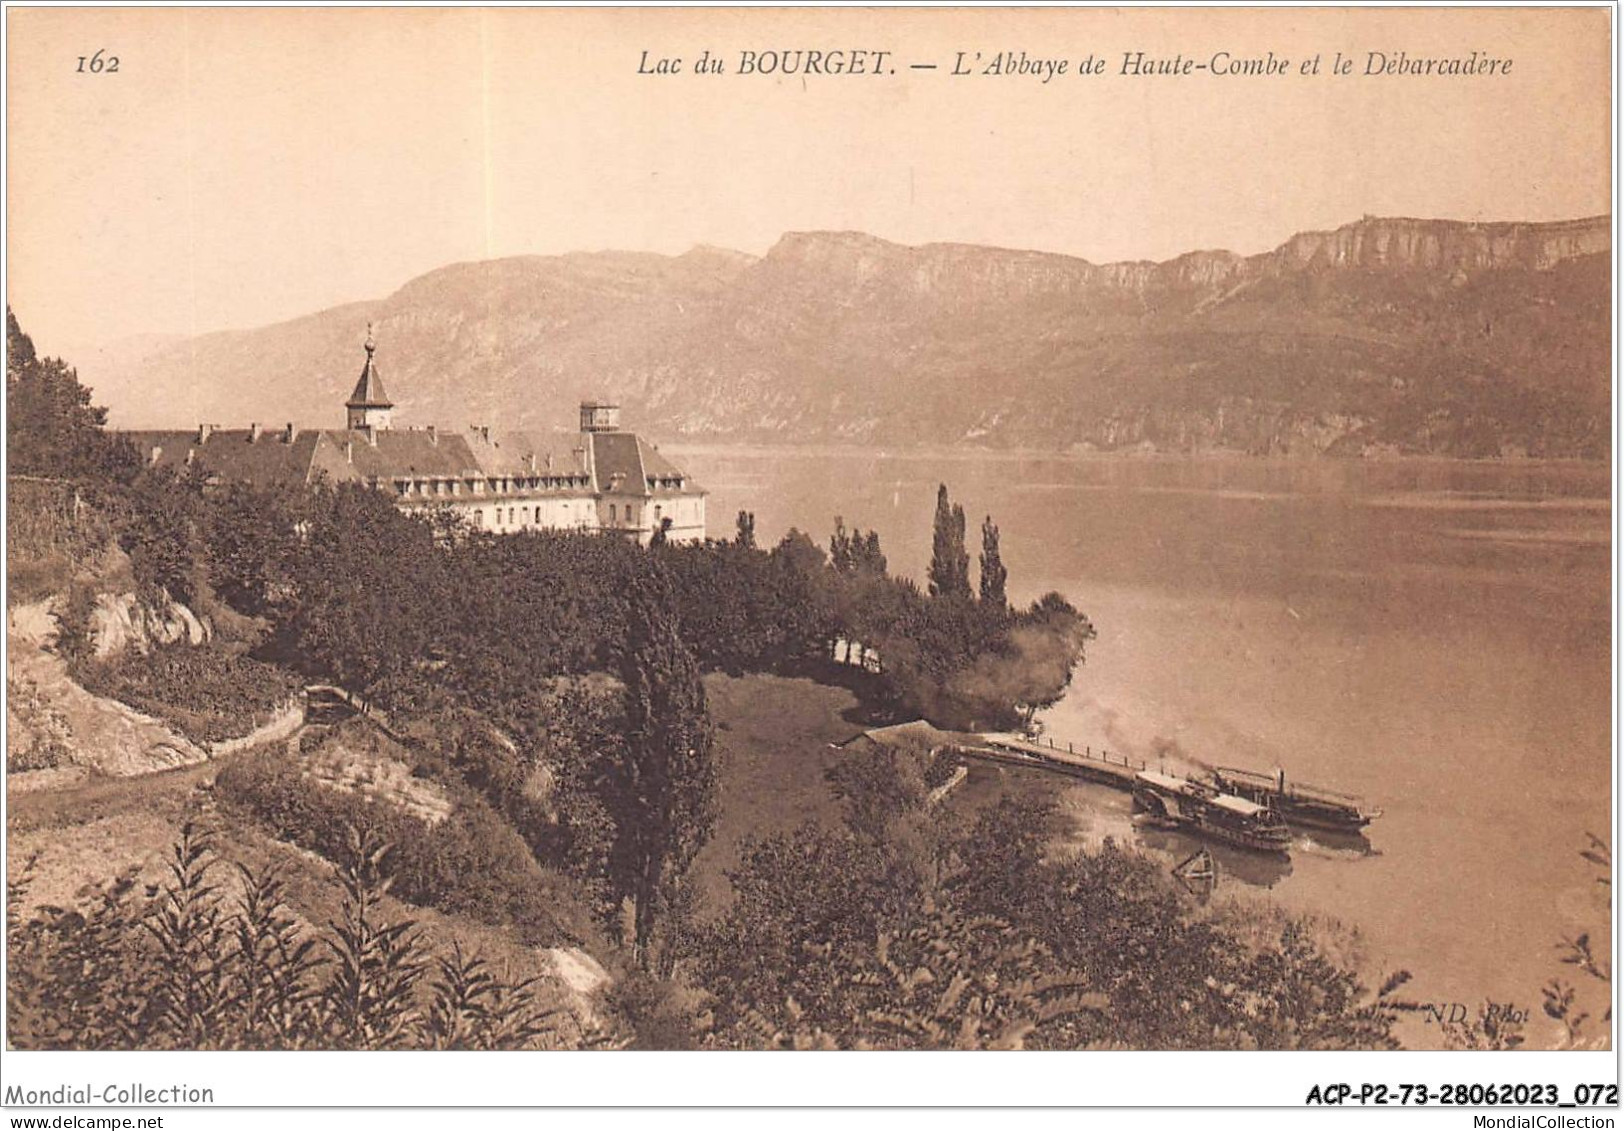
x: 1099, y: 766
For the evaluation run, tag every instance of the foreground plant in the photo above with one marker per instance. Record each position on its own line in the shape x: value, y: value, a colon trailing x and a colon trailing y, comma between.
x: 189, y: 967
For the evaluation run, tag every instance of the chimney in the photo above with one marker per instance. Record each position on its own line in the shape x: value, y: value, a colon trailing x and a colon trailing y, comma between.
x: 290, y: 433
x: 549, y: 461
x: 531, y: 459
x: 157, y: 454
x: 349, y: 451
x: 485, y: 432
x: 434, y: 436
x: 371, y: 435
x: 203, y: 433
x: 253, y: 433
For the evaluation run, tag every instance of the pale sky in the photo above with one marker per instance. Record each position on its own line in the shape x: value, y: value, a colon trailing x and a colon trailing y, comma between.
x: 246, y: 166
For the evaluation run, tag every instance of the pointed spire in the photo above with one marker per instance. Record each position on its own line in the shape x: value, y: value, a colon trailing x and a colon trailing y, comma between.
x: 369, y: 389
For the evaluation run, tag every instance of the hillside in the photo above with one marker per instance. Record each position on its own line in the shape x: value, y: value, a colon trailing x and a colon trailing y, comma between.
x: 1420, y: 336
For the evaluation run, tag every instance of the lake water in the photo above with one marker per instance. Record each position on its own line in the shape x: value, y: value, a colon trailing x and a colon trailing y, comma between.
x: 1432, y: 636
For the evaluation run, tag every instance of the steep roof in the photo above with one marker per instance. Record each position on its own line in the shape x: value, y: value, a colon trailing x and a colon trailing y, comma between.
x: 355, y: 455
x: 617, y: 462
x: 621, y: 463
x: 627, y: 464
x: 391, y: 453
x: 657, y: 467
x: 369, y: 389
x: 529, y: 453
x: 237, y: 455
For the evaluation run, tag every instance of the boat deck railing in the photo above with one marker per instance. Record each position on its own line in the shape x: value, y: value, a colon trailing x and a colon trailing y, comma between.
x: 1297, y: 789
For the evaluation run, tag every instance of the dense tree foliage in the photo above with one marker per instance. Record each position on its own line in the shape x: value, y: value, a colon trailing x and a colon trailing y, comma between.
x: 874, y: 936
x: 52, y: 429
x: 368, y: 608
x: 406, y: 609
x: 855, y: 553
x: 994, y: 577
x: 949, y: 560
x: 664, y: 777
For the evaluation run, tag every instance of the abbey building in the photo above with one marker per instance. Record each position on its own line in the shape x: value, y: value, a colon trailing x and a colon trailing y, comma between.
x: 602, y: 478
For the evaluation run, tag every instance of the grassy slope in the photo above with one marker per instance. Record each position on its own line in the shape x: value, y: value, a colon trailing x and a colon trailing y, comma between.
x: 90, y: 833
x: 772, y: 738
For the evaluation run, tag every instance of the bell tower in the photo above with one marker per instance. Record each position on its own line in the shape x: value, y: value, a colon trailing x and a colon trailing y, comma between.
x: 369, y: 406
x: 600, y: 416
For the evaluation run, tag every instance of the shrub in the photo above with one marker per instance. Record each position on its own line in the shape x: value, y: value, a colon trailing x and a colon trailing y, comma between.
x: 188, y: 968
x: 48, y: 729
x: 52, y: 532
x: 835, y: 940
x: 209, y: 693
x: 73, y: 637
x: 79, y: 978
x: 472, y: 863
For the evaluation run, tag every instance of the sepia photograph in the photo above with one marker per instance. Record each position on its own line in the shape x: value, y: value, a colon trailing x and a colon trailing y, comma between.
x: 872, y: 529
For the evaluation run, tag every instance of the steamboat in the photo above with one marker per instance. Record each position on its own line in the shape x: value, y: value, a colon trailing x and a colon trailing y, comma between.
x: 1305, y: 805
x: 1199, y: 807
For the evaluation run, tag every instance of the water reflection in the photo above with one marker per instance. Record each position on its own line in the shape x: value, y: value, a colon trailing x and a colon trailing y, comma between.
x: 1258, y: 869
x: 1332, y: 844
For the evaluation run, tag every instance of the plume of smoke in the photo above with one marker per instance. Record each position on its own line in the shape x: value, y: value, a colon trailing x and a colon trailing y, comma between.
x: 1115, y: 733
x: 1169, y: 751
x: 1033, y: 671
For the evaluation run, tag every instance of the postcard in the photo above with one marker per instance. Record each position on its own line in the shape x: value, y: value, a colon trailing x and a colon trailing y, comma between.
x: 722, y: 530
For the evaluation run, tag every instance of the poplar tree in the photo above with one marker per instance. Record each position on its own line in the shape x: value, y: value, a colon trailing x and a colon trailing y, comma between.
x: 867, y: 555
x: 665, y: 793
x: 994, y: 576
x: 949, y: 561
x: 840, y: 547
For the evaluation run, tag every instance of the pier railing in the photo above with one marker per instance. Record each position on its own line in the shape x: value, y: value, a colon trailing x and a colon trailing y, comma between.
x: 1102, y: 764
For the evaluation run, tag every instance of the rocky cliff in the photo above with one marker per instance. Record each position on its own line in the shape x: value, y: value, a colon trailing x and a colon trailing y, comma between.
x: 1403, y: 335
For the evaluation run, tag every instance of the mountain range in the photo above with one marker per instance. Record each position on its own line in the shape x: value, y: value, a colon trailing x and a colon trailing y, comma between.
x: 1386, y: 335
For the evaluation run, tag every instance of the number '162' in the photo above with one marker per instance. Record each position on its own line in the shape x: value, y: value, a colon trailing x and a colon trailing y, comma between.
x: 97, y: 63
